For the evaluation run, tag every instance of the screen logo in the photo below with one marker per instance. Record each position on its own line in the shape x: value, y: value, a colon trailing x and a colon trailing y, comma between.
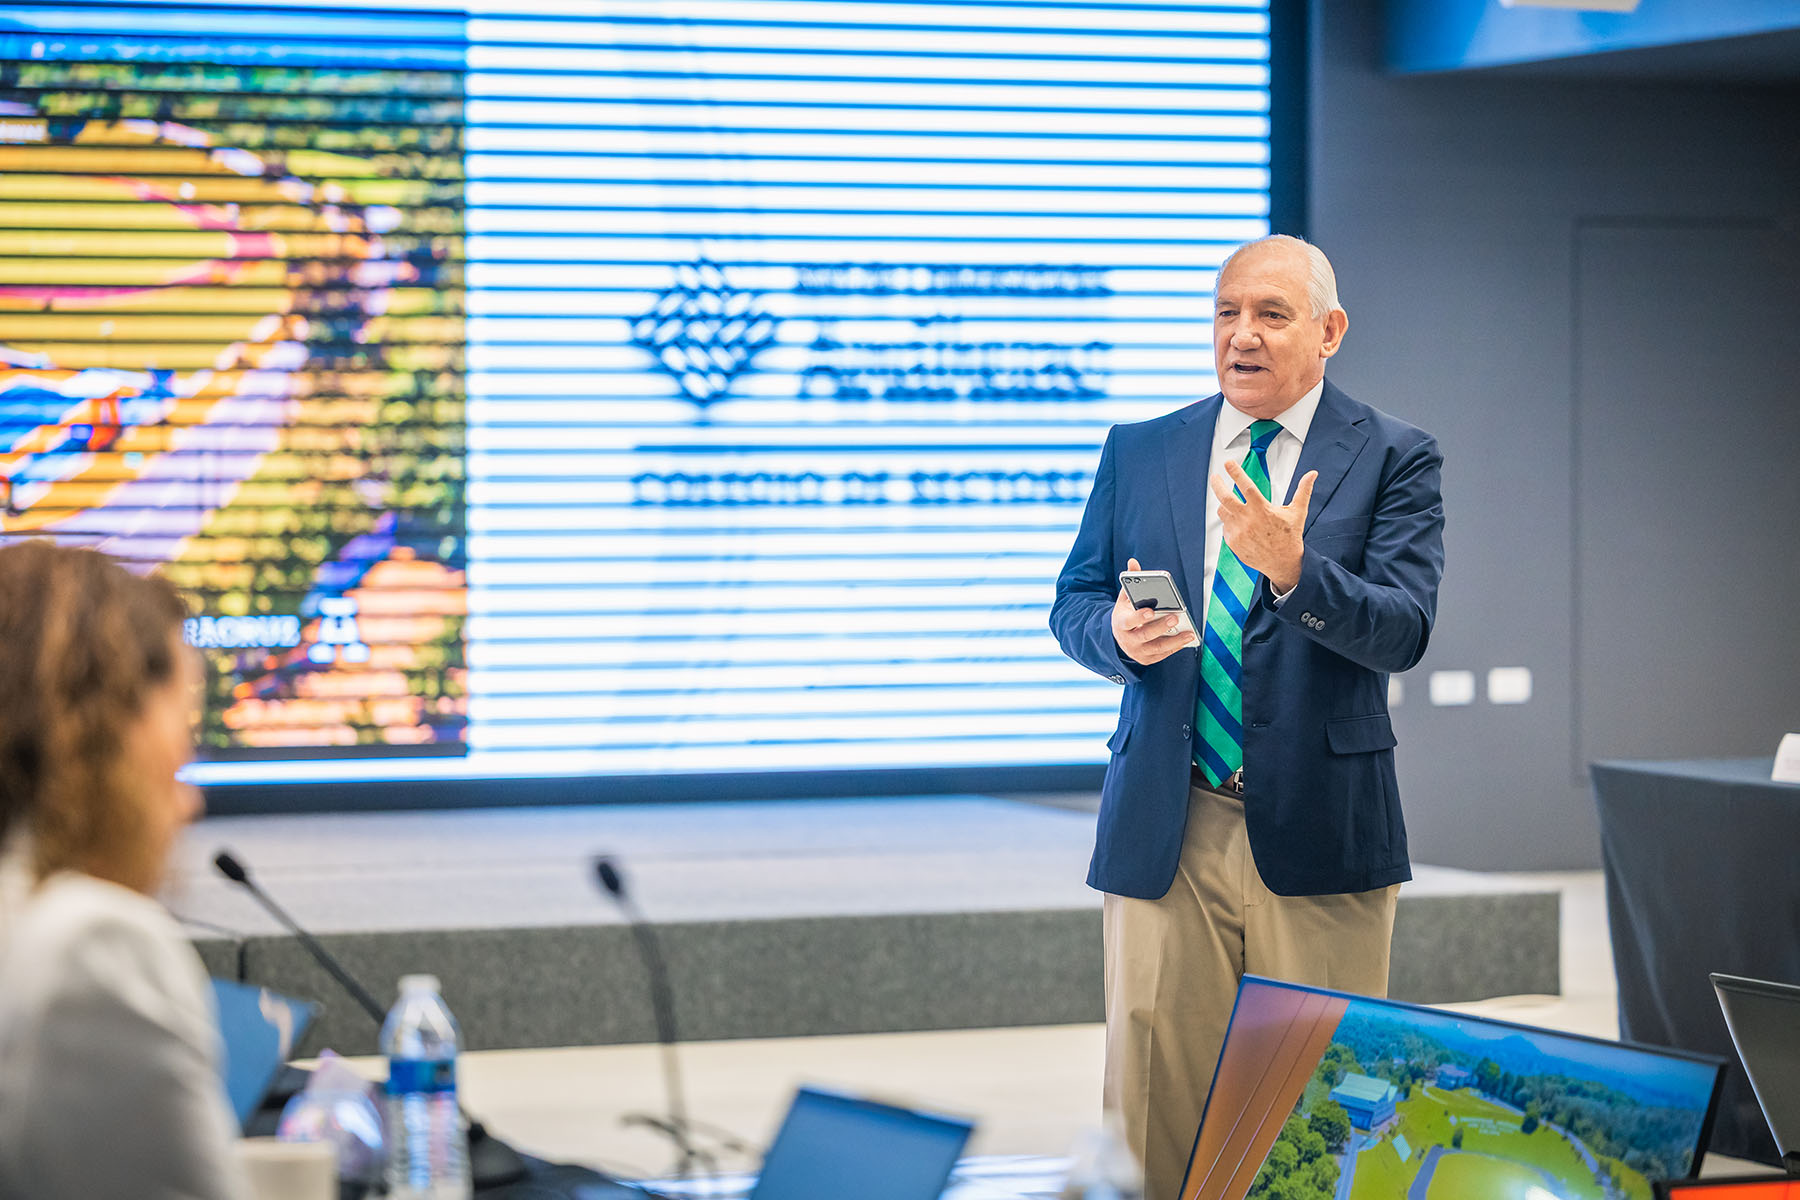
x: 703, y: 332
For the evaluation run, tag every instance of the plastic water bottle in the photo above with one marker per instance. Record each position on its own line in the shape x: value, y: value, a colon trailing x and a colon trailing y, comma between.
x: 428, y: 1152
x: 1104, y: 1167
x: 337, y: 1106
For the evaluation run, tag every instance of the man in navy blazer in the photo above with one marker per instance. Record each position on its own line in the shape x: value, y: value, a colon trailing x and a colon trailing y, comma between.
x: 1283, y: 861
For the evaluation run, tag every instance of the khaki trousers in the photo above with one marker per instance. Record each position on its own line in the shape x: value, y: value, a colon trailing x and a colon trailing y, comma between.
x: 1172, y: 968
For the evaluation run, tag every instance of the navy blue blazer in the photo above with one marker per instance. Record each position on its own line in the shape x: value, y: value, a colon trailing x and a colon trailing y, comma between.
x: 1320, y: 803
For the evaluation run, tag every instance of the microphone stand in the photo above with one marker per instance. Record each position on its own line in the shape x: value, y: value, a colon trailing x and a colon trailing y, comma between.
x: 676, y: 1126
x: 492, y: 1163
x: 235, y: 871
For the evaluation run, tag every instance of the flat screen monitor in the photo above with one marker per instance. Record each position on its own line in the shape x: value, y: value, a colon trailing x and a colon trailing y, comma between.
x: 1415, y: 1103
x: 833, y: 1146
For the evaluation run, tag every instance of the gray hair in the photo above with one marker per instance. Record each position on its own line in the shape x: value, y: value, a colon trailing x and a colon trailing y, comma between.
x: 1321, y: 280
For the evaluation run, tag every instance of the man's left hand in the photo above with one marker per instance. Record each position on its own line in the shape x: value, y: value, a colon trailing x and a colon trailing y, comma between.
x: 1266, y: 537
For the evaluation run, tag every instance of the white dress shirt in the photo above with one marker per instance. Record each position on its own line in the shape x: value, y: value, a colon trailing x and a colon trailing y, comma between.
x: 1231, y: 442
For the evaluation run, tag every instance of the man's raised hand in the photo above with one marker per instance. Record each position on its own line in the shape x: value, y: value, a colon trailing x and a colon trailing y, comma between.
x: 1146, y: 636
x: 1266, y: 537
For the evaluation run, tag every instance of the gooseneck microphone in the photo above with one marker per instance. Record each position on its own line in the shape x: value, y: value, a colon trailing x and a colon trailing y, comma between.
x: 492, y: 1163
x: 662, y: 1004
x: 235, y: 871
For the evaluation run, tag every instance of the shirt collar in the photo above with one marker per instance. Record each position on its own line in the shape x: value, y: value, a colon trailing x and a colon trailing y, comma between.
x: 1296, y: 420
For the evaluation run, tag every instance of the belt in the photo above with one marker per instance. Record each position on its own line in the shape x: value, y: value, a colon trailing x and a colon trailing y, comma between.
x: 1233, y: 785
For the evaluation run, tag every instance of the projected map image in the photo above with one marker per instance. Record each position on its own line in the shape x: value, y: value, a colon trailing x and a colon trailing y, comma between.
x: 231, y: 345
x: 1427, y: 1111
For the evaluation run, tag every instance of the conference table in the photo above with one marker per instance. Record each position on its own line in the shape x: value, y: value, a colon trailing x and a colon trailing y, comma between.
x: 982, y: 1177
x: 1702, y: 861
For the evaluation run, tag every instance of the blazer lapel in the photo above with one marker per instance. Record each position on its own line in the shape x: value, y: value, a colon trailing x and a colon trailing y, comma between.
x: 1186, y: 454
x: 1333, y: 441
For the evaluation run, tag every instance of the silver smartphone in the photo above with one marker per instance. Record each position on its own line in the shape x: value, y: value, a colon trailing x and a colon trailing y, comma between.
x: 1156, y: 590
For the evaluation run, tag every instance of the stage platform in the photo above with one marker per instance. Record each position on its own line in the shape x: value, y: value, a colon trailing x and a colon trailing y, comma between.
x: 779, y: 919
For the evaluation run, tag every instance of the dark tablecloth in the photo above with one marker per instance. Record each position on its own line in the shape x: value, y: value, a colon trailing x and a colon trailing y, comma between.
x: 1702, y: 866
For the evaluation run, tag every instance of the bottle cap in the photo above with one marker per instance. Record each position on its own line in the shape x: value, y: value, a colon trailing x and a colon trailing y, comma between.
x: 418, y: 983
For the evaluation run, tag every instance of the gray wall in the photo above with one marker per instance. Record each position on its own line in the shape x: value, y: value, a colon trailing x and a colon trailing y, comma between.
x: 1566, y: 282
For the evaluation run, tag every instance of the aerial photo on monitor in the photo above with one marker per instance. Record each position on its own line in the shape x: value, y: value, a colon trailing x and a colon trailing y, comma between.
x: 1402, y: 1107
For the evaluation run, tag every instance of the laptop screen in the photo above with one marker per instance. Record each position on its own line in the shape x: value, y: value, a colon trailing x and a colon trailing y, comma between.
x: 1764, y: 1021
x: 1414, y: 1103
x: 259, y: 1029
x: 831, y: 1147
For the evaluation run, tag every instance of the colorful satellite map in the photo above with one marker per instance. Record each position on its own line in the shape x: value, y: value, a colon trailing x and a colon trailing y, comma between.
x: 232, y: 349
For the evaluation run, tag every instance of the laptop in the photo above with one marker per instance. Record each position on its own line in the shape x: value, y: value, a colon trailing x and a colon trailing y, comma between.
x: 260, y: 1029
x: 835, y: 1147
x: 1324, y: 1093
x: 1764, y: 1021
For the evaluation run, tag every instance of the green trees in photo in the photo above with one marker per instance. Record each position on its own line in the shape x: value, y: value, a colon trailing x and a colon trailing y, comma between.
x: 1298, y: 1166
x: 1332, y: 1123
x: 1487, y: 1077
x: 1334, y: 1064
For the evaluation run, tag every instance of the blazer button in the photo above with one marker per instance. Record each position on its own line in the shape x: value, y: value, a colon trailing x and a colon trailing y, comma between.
x: 1187, y: 731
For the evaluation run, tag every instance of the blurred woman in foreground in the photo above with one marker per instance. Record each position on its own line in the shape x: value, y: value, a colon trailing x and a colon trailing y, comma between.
x: 109, y: 1084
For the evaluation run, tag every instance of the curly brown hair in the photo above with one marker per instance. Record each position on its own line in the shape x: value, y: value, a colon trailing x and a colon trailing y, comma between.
x: 82, y: 643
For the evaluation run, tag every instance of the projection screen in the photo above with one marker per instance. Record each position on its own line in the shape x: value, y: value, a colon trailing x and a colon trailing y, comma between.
x: 612, y: 390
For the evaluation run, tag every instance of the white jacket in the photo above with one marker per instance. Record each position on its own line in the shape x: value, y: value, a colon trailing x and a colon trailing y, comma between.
x: 109, y: 1052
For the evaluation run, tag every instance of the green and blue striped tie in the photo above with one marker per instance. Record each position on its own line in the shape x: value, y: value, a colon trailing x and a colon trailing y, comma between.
x: 1219, y: 712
